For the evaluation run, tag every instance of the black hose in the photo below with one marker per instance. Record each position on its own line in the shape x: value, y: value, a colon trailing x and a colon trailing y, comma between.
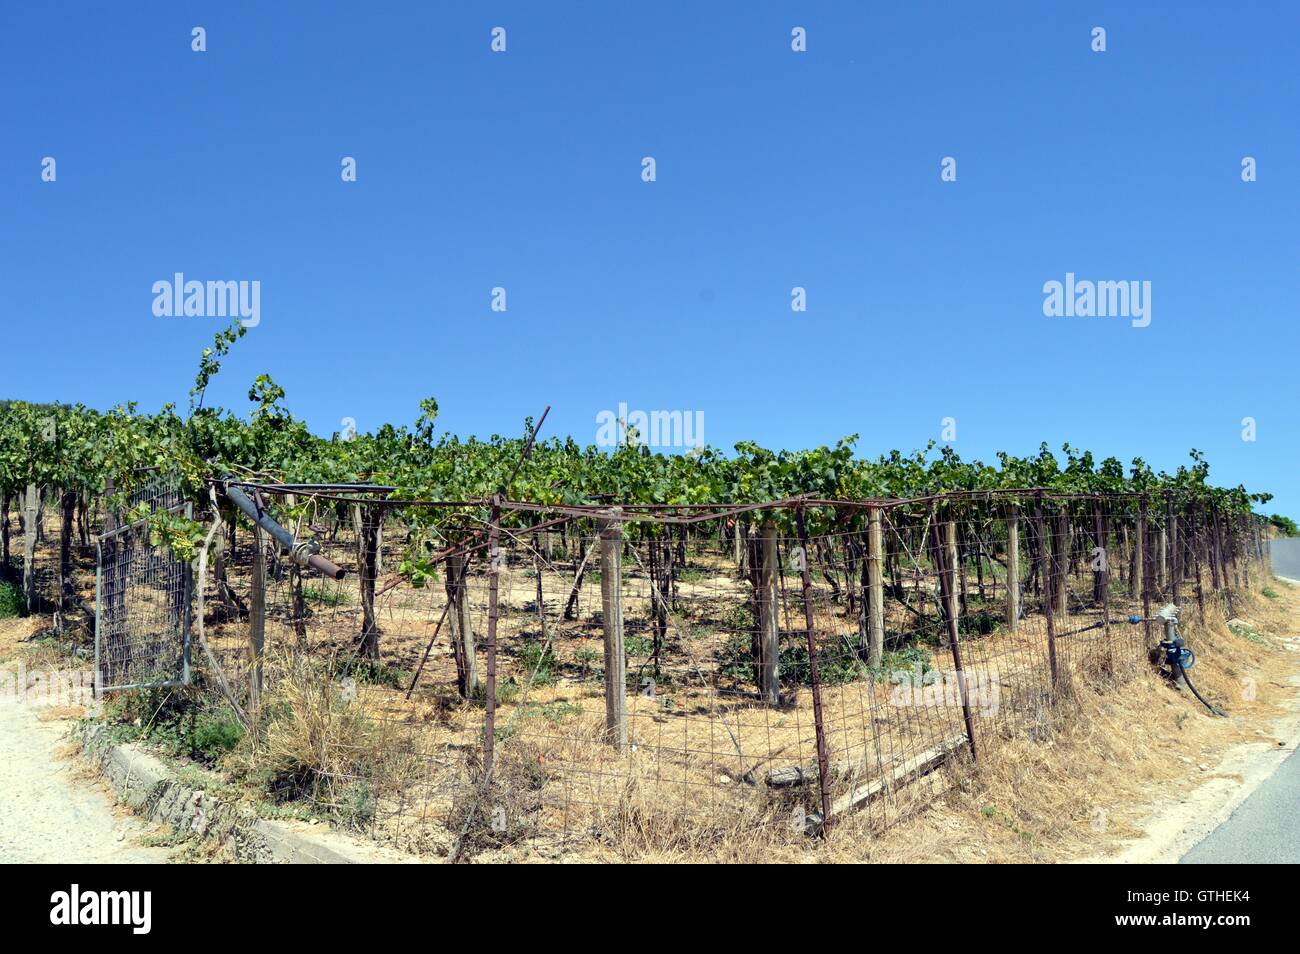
x: 1187, y: 679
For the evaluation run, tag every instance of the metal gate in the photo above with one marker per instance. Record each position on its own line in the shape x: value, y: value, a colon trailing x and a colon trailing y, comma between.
x: 143, y: 600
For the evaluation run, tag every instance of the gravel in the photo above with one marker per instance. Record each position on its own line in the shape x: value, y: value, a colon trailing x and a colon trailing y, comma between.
x: 50, y: 811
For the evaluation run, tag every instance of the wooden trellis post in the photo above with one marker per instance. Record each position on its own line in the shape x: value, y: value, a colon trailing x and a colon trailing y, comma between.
x: 946, y: 570
x: 1162, y: 559
x: 950, y: 546
x: 769, y: 616
x: 1103, y: 575
x: 494, y: 571
x: 1013, y: 570
x: 1144, y: 543
x: 462, y: 627
x: 611, y: 600
x: 1175, y: 557
x: 875, y: 590
x: 256, y: 621
x: 1046, y: 561
x: 369, y: 519
x: 31, y: 511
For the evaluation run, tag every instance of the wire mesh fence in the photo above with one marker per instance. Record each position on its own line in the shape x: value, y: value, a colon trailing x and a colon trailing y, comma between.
x: 491, y: 673
x: 143, y: 592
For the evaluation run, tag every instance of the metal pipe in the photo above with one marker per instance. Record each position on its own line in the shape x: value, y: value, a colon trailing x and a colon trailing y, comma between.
x: 304, y: 554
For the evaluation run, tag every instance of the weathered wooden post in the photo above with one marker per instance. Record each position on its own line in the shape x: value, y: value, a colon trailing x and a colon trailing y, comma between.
x: 4, y: 534
x: 1162, y: 559
x: 256, y: 621
x: 1136, y: 561
x: 67, y: 513
x: 1144, y: 542
x: 611, y: 600
x: 1013, y: 570
x: 819, y: 727
x: 495, y: 562
x: 368, y: 519
x: 875, y: 590
x: 1200, y: 539
x: 947, y: 574
x: 1175, y: 556
x: 769, y: 616
x: 462, y: 627
x: 1062, y: 549
x: 1103, y: 576
x: 1046, y: 563
x: 31, y: 511
x: 951, y: 557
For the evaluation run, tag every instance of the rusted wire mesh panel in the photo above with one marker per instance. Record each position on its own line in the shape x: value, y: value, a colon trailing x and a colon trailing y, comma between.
x: 144, y: 592
x: 144, y: 611
x: 663, y: 678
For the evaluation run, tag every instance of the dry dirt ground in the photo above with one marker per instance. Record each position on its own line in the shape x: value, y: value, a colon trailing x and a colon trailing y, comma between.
x: 52, y: 811
x: 1129, y: 773
x: 1134, y: 776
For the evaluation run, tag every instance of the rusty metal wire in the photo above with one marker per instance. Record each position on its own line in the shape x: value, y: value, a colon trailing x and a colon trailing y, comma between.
x: 370, y: 691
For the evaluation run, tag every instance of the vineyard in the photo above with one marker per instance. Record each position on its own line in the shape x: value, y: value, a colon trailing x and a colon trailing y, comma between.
x: 463, y: 645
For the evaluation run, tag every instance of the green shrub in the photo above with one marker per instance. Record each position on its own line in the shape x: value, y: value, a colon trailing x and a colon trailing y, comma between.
x: 176, y: 721
x: 11, y: 601
x: 538, y: 660
x: 1285, y: 525
x: 325, y: 595
x: 214, y: 734
x: 587, y: 658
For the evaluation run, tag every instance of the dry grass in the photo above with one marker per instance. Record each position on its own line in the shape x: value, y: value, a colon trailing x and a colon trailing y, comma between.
x: 1059, y: 772
x: 1079, y: 778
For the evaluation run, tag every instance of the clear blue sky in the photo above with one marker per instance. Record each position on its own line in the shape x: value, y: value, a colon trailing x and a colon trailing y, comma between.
x: 775, y: 169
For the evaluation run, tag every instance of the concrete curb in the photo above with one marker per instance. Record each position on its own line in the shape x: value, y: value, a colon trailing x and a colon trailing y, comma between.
x: 145, y: 783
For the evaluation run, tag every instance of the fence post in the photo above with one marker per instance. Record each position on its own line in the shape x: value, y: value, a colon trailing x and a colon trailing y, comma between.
x: 823, y: 755
x: 1103, y: 577
x: 1144, y: 541
x: 98, y: 691
x: 1175, y: 558
x: 1013, y: 570
x: 187, y: 609
x: 31, y: 509
x: 1162, y: 556
x: 1062, y: 554
x: 462, y: 627
x: 951, y: 556
x: 368, y: 520
x: 256, y: 621
x: 1200, y: 540
x: 769, y: 617
x: 4, y: 533
x: 875, y: 589
x: 947, y: 577
x: 1137, y: 568
x: 611, y: 601
x: 1046, y: 563
x: 494, y: 571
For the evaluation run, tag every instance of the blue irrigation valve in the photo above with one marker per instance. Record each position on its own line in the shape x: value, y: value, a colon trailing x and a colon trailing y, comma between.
x: 1135, y: 619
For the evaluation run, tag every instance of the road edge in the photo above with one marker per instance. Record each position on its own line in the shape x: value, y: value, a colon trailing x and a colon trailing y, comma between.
x: 145, y: 784
x: 1239, y: 773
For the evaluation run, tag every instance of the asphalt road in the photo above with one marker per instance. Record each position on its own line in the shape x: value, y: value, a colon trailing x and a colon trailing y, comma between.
x: 1286, y: 557
x: 1263, y: 830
